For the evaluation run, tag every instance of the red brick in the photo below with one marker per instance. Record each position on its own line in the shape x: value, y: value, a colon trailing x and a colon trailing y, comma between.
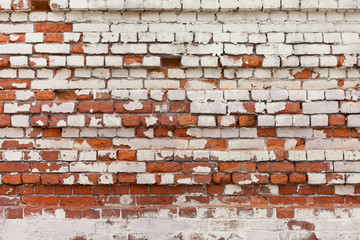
x: 187, y: 212
x: 52, y: 133
x: 285, y: 213
x: 247, y: 121
x: 53, y: 28
x: 5, y: 120
x: 312, y: 167
x: 341, y: 132
x: 276, y: 167
x: 40, y: 6
x: 14, y: 213
x: 126, y: 155
x: 155, y: 200
x: 287, y: 189
x: 179, y: 107
x: 65, y: 96
x: 297, y: 178
x: 266, y: 132
x: 279, y: 179
x: 54, y: 38
x: 251, y: 61
x: 96, y: 107
x: 30, y: 178
x: 14, y: 167
x: 237, y: 167
x: 12, y: 179
x: 163, y: 167
x: 222, y: 178
x: 336, y: 120
x: 39, y: 200
x: 187, y: 120
x: 275, y: 144
x: 14, y: 84
x: 77, y: 201
x: 39, y: 121
x: 50, y: 179
x: 171, y: 62
x: 168, y: 120
x: 131, y: 120
x: 4, y: 62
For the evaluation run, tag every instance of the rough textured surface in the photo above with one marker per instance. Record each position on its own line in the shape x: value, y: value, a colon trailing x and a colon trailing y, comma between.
x: 220, y: 120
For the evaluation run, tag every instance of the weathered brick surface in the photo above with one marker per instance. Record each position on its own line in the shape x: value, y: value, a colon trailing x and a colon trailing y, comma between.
x: 234, y: 114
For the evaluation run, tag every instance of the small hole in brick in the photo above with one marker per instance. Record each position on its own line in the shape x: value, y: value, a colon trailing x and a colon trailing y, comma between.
x: 40, y: 5
x: 171, y: 62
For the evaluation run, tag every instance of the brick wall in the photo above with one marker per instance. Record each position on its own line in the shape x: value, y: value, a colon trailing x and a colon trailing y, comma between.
x: 179, y: 119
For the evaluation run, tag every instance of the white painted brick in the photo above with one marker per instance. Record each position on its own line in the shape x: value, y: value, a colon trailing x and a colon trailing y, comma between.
x: 266, y: 121
x: 316, y: 178
x: 353, y: 121
x: 344, y: 189
x: 246, y: 144
x: 54, y: 48
x: 76, y: 120
x: 283, y: 120
x: 271, y: 61
x: 260, y: 95
x: 176, y: 95
x: 320, y: 107
x: 309, y: 61
x: 334, y: 155
x: 335, y: 94
x: 297, y: 156
x: 353, y: 178
x: 126, y: 167
x: 20, y: 121
x: 34, y: 37
x: 301, y: 120
x: 145, y: 178
x: 18, y: 48
x: 315, y: 155
x: 297, y: 95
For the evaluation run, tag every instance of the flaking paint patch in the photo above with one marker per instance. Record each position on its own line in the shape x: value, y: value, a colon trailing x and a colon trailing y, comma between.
x: 161, y: 108
x: 13, y: 38
x: 69, y: 181
x: 201, y: 169
x: 126, y: 199
x: 132, y: 106
x: 290, y: 143
x: 260, y: 107
x: 67, y: 107
x: 231, y: 189
x: 227, y: 121
x: 19, y: 85
x: 151, y: 120
x: 84, y: 180
x: 95, y: 122
x: 167, y: 178
x: 40, y: 123
x: 149, y: 133
x: 185, y: 181
x: 319, y: 134
x: 106, y: 179
x: 13, y: 108
x: 275, y: 107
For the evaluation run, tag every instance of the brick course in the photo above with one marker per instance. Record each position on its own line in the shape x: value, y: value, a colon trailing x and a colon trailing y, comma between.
x: 234, y: 114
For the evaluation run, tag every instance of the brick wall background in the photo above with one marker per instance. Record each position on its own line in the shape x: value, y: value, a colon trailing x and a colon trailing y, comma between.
x: 179, y: 119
